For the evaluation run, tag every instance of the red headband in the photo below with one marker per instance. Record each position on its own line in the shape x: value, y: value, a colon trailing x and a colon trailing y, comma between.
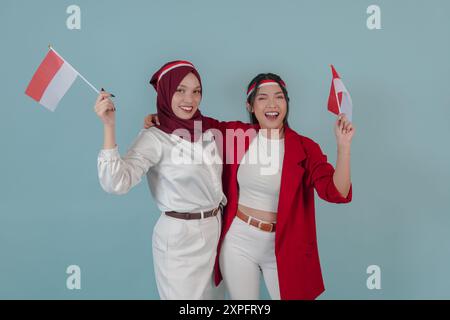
x: 169, y: 67
x: 264, y: 83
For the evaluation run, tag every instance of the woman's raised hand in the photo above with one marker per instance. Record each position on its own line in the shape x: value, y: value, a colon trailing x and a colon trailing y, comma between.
x: 105, y: 109
x: 344, y: 130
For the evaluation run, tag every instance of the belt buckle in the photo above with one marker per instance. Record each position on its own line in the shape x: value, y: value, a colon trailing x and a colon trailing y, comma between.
x: 260, y: 224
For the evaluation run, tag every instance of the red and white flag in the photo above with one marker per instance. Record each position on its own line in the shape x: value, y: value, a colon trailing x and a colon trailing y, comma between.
x: 52, y: 80
x: 339, y: 100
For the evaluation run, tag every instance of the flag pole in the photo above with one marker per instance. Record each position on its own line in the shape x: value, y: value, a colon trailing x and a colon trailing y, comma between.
x: 335, y: 93
x: 81, y: 76
x: 337, y: 99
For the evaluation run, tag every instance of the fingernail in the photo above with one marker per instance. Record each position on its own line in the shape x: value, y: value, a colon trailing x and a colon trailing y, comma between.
x: 103, y: 89
x: 113, y: 95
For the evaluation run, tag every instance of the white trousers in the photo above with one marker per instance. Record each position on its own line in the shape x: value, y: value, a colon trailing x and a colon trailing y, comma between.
x: 246, y: 253
x: 184, y: 252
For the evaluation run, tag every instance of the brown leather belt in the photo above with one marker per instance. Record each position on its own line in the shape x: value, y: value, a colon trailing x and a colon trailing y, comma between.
x: 264, y: 226
x: 193, y: 215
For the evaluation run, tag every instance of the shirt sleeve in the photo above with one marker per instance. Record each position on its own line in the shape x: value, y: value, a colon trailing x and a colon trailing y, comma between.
x: 117, y: 175
x: 216, y: 124
x: 224, y: 125
x: 321, y: 177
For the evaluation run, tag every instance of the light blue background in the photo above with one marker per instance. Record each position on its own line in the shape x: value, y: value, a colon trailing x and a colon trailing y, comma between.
x: 53, y: 212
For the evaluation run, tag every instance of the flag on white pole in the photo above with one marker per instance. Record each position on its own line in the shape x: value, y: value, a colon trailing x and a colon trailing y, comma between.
x: 52, y: 80
x: 339, y: 100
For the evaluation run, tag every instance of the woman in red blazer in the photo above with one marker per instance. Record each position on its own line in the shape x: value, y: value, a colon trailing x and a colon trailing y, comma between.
x: 291, y: 266
x: 269, y: 221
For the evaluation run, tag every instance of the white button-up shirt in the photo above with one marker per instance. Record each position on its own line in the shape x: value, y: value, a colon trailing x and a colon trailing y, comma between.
x: 182, y: 176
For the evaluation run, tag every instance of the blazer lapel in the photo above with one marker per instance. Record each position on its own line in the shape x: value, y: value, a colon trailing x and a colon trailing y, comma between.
x: 291, y: 174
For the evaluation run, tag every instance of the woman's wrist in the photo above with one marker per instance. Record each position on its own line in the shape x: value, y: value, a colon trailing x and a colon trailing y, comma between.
x: 109, y: 137
x: 344, y: 148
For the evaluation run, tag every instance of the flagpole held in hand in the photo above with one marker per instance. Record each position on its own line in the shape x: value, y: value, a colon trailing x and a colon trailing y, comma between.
x: 79, y: 74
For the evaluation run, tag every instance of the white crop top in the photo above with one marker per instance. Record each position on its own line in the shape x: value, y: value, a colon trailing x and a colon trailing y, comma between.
x: 259, y: 174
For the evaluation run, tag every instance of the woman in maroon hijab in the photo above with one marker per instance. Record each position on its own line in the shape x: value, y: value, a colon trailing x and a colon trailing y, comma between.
x: 188, y: 194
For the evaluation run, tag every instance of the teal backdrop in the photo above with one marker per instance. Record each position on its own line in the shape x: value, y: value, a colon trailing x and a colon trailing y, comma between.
x: 53, y: 212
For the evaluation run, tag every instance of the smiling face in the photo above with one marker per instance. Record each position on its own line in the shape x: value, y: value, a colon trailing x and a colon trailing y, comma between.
x: 269, y: 107
x: 187, y: 97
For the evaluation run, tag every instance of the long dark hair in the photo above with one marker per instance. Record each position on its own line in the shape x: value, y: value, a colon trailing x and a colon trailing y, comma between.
x: 257, y: 81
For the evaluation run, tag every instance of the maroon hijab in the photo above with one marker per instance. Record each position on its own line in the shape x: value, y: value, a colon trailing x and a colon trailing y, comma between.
x: 165, y: 81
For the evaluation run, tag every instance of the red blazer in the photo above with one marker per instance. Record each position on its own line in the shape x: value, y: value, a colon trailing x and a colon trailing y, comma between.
x: 305, y: 168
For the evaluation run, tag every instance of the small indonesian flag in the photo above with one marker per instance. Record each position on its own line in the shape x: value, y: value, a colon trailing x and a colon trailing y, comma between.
x: 339, y: 100
x: 52, y: 80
